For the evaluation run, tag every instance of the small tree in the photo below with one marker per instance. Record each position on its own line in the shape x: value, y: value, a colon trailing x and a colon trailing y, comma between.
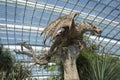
x: 21, y: 72
x: 92, y: 66
x: 6, y: 62
x: 105, y: 67
x: 9, y: 69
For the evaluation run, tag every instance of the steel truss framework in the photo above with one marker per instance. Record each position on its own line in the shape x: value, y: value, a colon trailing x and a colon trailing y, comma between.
x: 23, y: 20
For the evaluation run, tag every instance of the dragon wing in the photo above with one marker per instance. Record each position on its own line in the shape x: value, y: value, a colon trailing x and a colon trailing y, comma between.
x: 55, y: 26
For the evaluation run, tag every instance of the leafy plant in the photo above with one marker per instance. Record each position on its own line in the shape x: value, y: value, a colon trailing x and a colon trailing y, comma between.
x: 92, y: 66
x: 9, y: 69
x: 83, y: 64
x: 21, y: 72
x: 105, y: 68
x: 6, y: 62
x: 52, y: 68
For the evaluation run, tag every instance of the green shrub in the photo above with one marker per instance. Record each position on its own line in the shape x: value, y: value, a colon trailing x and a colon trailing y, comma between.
x: 92, y: 66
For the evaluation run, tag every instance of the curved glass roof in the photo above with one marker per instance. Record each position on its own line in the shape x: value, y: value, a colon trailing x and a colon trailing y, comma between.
x: 23, y: 20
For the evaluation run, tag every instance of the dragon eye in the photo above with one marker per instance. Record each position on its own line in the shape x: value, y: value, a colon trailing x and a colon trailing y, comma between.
x: 94, y: 27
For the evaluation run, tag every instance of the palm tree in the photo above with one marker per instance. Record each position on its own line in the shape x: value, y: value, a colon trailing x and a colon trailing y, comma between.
x: 105, y: 67
x: 10, y: 70
x: 92, y: 66
x: 6, y: 62
x: 21, y: 72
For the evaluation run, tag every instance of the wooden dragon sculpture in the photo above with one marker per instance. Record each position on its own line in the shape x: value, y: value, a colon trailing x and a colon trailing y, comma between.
x: 63, y: 32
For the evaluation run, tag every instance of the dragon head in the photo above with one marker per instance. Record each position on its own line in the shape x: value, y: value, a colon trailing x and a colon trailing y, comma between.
x: 96, y: 31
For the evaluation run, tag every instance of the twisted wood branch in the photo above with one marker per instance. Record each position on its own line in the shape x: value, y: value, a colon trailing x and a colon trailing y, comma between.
x: 39, y: 59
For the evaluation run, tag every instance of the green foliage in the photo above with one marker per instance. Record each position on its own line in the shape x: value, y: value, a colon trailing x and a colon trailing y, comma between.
x: 6, y: 62
x: 98, y: 67
x: 105, y: 68
x: 92, y: 66
x: 9, y: 69
x: 21, y: 72
x: 6, y: 59
x: 83, y: 64
x: 52, y: 68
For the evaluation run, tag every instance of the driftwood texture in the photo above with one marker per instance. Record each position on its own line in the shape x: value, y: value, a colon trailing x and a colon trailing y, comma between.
x: 69, y: 58
x: 37, y: 58
x: 64, y: 32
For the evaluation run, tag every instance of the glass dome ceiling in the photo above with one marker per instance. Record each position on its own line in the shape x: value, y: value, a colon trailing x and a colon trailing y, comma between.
x: 23, y: 20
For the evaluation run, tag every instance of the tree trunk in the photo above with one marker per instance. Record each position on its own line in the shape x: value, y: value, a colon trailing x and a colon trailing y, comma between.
x: 69, y: 62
